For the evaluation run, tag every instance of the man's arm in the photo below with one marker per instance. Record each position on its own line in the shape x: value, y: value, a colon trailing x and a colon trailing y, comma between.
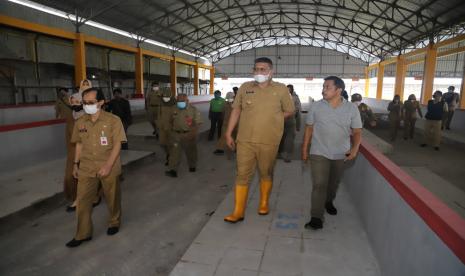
x: 356, y: 140
x: 106, y: 169
x: 233, y: 119
x: 288, y: 114
x: 307, y: 139
x: 77, y: 157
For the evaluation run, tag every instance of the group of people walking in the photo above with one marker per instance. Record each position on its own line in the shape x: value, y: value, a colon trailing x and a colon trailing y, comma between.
x: 258, y: 121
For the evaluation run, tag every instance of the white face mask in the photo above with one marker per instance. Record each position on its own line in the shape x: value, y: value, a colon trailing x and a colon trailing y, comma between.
x: 155, y: 88
x: 90, y: 109
x: 261, y: 78
x: 166, y: 99
x: 357, y: 103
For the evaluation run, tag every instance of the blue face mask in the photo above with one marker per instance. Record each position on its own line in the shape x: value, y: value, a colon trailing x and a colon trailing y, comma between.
x: 181, y: 105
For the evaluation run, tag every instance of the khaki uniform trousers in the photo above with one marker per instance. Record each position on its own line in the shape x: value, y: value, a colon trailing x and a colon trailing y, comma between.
x: 326, y: 175
x: 249, y: 155
x: 86, y: 191
x: 433, y: 132
x: 182, y: 142
x: 152, y: 116
x: 70, y: 183
x: 409, y: 127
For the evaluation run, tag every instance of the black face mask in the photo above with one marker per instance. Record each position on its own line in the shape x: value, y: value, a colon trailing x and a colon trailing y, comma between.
x: 76, y: 108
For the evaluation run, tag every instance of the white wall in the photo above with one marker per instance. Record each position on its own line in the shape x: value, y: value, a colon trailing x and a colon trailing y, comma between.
x: 403, y: 243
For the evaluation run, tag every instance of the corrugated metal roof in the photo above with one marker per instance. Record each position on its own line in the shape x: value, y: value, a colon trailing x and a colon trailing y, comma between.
x: 370, y: 29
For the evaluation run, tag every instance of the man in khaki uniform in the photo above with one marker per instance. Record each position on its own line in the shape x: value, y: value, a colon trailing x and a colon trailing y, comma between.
x: 167, y: 107
x: 262, y: 105
x: 64, y: 111
x: 98, y: 136
x: 152, y: 105
x: 184, y: 124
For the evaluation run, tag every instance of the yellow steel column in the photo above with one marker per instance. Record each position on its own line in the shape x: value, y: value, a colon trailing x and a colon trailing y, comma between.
x: 196, y: 79
x: 462, y: 92
x: 79, y: 59
x: 428, y: 75
x: 139, y: 74
x: 401, y: 70
x: 173, y: 76
x: 212, y: 80
x: 367, y: 82
x: 379, y: 85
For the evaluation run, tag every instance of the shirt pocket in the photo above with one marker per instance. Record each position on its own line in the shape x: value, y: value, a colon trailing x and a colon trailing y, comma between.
x: 249, y: 101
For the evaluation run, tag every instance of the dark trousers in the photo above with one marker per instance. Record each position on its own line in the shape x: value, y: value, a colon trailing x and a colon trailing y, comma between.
x: 326, y: 175
x: 216, y: 119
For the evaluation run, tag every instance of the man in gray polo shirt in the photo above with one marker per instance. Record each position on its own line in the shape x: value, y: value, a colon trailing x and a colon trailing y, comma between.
x: 330, y: 125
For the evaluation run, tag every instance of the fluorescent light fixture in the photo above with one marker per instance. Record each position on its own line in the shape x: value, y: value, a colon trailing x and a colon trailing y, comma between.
x: 62, y: 14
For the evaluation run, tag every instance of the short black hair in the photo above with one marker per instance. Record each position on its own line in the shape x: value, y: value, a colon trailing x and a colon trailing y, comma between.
x: 438, y: 92
x: 235, y: 88
x: 290, y: 86
x: 264, y: 60
x: 217, y: 92
x: 100, y: 96
x: 59, y: 89
x: 117, y: 91
x: 338, y: 82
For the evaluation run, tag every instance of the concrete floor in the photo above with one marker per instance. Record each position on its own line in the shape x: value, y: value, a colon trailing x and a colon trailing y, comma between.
x: 439, y: 171
x: 278, y: 244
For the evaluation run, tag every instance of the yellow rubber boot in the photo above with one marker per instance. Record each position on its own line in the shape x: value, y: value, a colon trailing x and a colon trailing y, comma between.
x: 265, y: 190
x: 239, y: 204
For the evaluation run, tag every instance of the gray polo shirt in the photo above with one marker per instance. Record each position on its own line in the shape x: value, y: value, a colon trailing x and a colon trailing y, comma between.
x: 332, y: 128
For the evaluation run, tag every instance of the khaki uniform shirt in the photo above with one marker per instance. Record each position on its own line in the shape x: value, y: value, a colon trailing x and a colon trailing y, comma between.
x: 183, y: 120
x: 262, y: 112
x: 63, y: 109
x: 166, y: 112
x: 153, y: 103
x: 410, y: 109
x: 97, y: 139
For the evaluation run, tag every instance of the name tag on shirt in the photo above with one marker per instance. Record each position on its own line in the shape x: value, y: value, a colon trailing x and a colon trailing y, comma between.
x: 103, y: 141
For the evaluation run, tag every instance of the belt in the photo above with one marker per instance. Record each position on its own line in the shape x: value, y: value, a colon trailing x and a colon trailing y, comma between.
x: 181, y: 131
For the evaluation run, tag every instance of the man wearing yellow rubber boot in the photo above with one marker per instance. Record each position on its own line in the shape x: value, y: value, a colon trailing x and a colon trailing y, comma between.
x: 261, y: 107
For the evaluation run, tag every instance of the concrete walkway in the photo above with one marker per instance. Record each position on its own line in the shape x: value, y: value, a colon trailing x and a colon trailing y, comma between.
x: 278, y: 244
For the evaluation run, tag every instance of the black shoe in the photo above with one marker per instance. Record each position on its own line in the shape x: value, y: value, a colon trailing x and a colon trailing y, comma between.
x: 112, y: 230
x: 448, y: 128
x: 154, y: 132
x: 436, y: 148
x: 70, y: 209
x: 314, y: 223
x: 76, y: 243
x: 330, y: 208
x: 95, y: 204
x: 423, y: 145
x: 218, y: 152
x: 192, y: 169
x: 171, y: 173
